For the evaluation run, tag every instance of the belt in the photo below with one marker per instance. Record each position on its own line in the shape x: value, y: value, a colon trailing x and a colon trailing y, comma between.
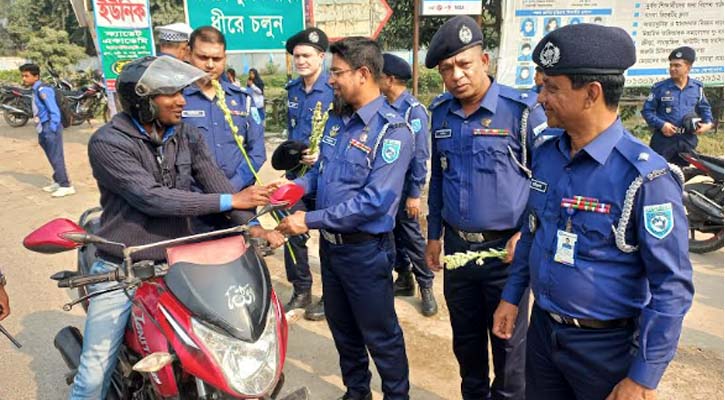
x: 590, y: 323
x: 349, y: 238
x: 480, y: 237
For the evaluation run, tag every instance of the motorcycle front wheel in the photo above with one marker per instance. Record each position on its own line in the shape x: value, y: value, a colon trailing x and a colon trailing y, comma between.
x: 702, y: 246
x: 13, y: 119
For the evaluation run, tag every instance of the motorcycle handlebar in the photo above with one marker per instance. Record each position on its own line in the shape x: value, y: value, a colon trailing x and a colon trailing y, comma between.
x: 85, y: 280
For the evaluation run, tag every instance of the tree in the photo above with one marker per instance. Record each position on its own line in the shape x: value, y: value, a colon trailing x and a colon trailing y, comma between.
x: 164, y: 12
x: 51, y: 45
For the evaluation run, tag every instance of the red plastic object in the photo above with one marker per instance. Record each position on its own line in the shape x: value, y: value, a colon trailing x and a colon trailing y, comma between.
x: 289, y: 193
x: 49, y: 238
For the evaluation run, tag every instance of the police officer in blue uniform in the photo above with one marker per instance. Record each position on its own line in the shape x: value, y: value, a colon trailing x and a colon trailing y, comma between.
x: 202, y: 110
x: 409, y: 241
x: 365, y: 153
x: 308, y: 49
x: 47, y: 118
x: 604, y: 246
x: 672, y: 101
x: 174, y: 40
x: 483, y: 134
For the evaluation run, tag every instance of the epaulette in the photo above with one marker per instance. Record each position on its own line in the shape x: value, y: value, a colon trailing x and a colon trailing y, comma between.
x: 640, y: 156
x: 293, y: 82
x: 440, y: 99
x: 527, y: 98
x: 696, y: 82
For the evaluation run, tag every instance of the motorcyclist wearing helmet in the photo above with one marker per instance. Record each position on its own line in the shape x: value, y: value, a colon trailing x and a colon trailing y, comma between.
x: 144, y: 161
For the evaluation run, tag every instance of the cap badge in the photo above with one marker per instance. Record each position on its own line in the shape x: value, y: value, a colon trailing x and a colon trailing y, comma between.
x: 678, y: 54
x: 550, y: 55
x: 314, y: 37
x: 465, y: 35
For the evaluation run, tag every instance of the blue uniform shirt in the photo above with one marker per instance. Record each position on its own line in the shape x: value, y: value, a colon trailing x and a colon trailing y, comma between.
x: 301, y: 104
x: 209, y: 118
x: 359, y: 178
x: 653, y: 283
x: 416, y: 116
x: 667, y: 103
x: 47, y: 108
x: 475, y: 183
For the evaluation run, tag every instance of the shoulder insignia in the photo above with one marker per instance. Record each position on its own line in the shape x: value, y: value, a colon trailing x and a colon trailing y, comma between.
x: 42, y: 94
x: 442, y: 98
x: 517, y: 96
x: 659, y: 220
x: 291, y: 83
x: 390, y: 150
x: 416, y: 124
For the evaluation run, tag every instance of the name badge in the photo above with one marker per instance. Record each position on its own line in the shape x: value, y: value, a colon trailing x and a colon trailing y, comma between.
x: 329, y: 140
x: 238, y: 113
x: 539, y: 186
x: 565, y: 244
x: 193, y: 114
x: 292, y: 105
x: 666, y: 98
x: 442, y: 133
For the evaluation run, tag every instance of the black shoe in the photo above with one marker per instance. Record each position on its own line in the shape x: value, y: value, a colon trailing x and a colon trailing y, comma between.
x: 368, y: 396
x: 404, y: 284
x: 429, y: 307
x: 298, y: 300
x: 316, y: 312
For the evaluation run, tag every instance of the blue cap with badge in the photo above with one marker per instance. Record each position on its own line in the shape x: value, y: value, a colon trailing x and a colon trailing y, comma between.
x: 396, y: 66
x: 456, y: 35
x: 683, y: 53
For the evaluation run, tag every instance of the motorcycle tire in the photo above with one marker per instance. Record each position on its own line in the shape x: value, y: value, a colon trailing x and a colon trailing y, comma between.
x: 712, y: 240
x: 15, y: 120
x: 712, y: 243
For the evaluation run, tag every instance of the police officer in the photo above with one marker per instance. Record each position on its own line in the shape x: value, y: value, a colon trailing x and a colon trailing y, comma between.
x: 174, y: 40
x: 482, y: 135
x: 610, y: 304
x: 203, y: 111
x: 673, y: 100
x: 308, y: 49
x: 46, y: 115
x: 409, y: 242
x: 365, y: 153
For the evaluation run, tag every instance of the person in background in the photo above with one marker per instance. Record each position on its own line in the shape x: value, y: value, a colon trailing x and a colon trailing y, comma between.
x: 174, y: 40
x: 232, y: 76
x: 256, y: 89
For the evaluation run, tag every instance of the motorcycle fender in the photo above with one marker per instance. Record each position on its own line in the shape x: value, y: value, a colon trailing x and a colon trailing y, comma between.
x: 144, y: 337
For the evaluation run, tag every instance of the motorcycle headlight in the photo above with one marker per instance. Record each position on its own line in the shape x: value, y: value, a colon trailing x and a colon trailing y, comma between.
x: 249, y: 368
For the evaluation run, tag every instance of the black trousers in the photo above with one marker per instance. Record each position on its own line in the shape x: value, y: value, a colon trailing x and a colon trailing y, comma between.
x: 410, y: 248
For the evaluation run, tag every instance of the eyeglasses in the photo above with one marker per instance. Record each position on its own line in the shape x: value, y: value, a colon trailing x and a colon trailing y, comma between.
x: 337, y: 73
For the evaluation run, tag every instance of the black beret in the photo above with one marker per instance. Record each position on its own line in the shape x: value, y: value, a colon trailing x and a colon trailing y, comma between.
x: 585, y: 49
x: 311, y: 37
x: 456, y: 35
x: 396, y: 66
x: 683, y: 53
x: 287, y: 155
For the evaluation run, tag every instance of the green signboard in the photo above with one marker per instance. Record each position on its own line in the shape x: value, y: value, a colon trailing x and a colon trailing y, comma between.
x: 249, y: 25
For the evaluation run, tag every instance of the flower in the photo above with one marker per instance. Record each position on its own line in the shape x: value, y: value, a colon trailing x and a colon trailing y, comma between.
x: 457, y: 260
x: 319, y: 120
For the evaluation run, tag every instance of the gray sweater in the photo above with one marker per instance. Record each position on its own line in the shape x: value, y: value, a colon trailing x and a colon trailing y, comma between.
x: 145, y: 200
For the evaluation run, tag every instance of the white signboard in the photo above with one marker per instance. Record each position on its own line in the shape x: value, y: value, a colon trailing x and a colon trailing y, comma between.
x: 445, y: 7
x: 657, y: 27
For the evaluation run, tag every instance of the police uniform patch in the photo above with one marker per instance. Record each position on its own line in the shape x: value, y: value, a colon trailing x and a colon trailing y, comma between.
x: 442, y: 133
x: 651, y: 97
x: 391, y: 150
x: 329, y: 140
x: 444, y: 163
x: 255, y: 115
x: 416, y: 125
x: 314, y: 37
x: 659, y: 220
x: 465, y: 35
x: 550, y: 55
x: 43, y: 95
x: 539, y: 186
x: 293, y: 122
x: 486, y: 122
x: 193, y: 114
x: 293, y: 105
x: 533, y: 222
x: 334, y: 131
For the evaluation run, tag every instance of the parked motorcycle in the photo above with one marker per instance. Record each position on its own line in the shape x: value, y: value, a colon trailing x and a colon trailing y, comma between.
x: 208, y: 326
x: 56, y: 80
x: 703, y: 199
x: 16, y: 104
x: 85, y: 102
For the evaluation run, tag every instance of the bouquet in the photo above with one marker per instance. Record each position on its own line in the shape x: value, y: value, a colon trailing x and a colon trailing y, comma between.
x: 458, y: 260
x: 319, y: 120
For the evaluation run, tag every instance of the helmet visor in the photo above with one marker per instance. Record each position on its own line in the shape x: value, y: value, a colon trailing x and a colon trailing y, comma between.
x: 167, y: 75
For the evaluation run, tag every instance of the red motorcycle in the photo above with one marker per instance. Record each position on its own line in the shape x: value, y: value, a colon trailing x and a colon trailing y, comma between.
x: 209, y: 326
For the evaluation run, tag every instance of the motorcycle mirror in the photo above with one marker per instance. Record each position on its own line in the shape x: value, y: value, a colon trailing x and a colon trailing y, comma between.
x: 54, y: 237
x: 286, y: 196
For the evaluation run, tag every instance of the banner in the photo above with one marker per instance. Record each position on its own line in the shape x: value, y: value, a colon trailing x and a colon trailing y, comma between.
x: 123, y: 29
x: 657, y: 27
x: 249, y: 25
x: 446, y: 7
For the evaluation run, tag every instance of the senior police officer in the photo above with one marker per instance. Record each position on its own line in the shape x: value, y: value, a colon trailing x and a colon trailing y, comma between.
x: 366, y: 151
x: 202, y: 110
x: 308, y: 49
x: 482, y: 135
x: 409, y: 242
x: 174, y: 40
x: 605, y: 244
x: 671, y: 102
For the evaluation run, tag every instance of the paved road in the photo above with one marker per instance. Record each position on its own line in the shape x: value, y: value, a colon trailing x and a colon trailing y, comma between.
x: 36, y: 371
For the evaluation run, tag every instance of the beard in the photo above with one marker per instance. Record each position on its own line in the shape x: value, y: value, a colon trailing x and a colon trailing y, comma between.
x: 340, y: 107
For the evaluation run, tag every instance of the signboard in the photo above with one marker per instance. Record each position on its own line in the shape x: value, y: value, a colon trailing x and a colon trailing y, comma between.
x: 340, y: 19
x: 657, y: 27
x: 249, y: 25
x: 445, y: 7
x: 123, y: 29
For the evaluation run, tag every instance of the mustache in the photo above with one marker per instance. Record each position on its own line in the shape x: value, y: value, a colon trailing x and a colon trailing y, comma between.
x: 340, y: 107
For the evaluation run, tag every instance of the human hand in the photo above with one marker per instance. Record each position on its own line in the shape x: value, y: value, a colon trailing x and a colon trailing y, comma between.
x: 668, y: 129
x: 504, y: 319
x: 4, y: 304
x: 703, y: 127
x: 309, y: 159
x: 294, y: 224
x: 628, y: 389
x: 433, y: 255
x: 412, y: 207
x: 250, y: 197
x: 511, y: 247
x: 276, y: 184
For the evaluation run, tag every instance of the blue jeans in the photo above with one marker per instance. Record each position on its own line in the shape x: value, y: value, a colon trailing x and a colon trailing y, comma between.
x: 105, y: 326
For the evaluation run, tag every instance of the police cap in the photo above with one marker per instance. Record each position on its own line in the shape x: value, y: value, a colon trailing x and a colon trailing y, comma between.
x: 683, y: 53
x: 311, y: 37
x: 456, y: 35
x: 396, y: 66
x: 178, y: 32
x: 288, y: 155
x: 585, y: 49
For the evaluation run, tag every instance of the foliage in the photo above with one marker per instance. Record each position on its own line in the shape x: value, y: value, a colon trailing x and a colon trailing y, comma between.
x: 164, y: 12
x: 270, y: 68
x: 10, y: 77
x: 52, y: 45
x: 26, y: 18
